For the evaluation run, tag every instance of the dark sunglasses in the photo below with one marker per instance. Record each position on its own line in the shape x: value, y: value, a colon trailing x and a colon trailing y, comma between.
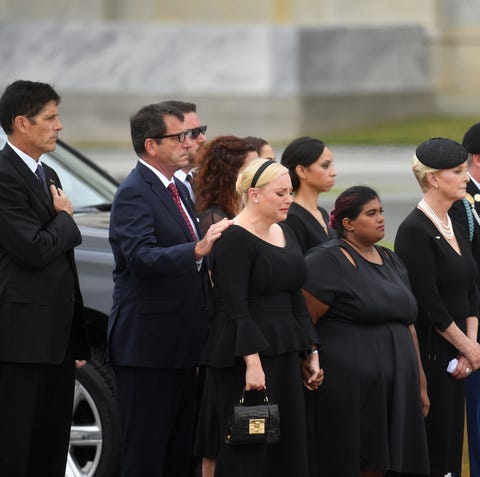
x: 197, y: 131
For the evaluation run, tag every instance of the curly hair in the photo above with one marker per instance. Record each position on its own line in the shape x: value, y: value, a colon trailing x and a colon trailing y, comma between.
x: 220, y: 161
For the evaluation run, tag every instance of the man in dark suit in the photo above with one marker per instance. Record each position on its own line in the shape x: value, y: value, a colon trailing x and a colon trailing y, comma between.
x: 467, y: 214
x: 158, y: 323
x: 41, y: 320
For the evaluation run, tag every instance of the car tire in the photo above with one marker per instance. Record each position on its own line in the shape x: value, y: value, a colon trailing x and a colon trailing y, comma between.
x: 95, y: 441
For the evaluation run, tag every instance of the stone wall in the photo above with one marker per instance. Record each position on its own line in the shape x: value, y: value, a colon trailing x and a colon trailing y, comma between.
x: 275, y: 81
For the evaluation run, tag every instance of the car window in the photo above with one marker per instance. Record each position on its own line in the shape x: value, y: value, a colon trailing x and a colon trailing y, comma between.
x: 83, y: 183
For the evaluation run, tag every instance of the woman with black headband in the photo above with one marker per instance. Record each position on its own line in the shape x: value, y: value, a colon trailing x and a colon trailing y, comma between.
x: 311, y: 168
x: 261, y: 328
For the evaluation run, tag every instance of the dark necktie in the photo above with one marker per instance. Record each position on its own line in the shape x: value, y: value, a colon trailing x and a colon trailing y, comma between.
x: 189, y: 179
x: 172, y: 188
x: 40, y: 173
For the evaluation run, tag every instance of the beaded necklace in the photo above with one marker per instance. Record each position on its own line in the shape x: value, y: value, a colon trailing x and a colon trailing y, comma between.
x: 445, y: 230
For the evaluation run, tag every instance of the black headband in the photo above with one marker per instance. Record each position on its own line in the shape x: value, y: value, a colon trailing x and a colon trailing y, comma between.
x: 259, y: 172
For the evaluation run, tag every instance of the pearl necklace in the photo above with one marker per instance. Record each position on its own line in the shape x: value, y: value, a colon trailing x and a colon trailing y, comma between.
x: 445, y: 230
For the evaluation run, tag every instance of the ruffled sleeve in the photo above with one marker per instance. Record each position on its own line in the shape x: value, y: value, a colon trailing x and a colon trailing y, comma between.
x: 233, y: 333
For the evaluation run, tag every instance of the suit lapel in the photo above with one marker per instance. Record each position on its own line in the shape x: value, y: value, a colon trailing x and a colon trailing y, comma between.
x: 30, y: 178
x: 160, y: 190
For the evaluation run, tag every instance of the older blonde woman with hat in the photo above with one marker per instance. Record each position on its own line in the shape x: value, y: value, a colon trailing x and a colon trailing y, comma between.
x: 261, y: 329
x: 442, y: 272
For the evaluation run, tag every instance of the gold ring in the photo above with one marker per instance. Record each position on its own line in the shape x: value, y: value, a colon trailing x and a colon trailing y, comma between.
x: 468, y: 370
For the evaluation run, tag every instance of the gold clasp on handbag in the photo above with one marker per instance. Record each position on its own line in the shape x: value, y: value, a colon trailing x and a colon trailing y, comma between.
x: 256, y: 426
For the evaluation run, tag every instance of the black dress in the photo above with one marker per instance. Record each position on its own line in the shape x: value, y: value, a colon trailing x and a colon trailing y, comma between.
x: 259, y: 307
x: 368, y: 412
x: 444, y: 284
x: 307, y: 228
x: 211, y: 215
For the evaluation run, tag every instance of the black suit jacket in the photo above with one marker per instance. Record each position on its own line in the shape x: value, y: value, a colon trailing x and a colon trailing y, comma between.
x: 458, y: 213
x: 40, y: 301
x: 160, y: 300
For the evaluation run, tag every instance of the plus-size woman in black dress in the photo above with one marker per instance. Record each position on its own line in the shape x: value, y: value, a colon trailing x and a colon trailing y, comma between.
x: 368, y: 412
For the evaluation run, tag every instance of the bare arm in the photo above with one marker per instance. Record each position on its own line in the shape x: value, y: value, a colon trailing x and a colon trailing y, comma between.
x: 423, y: 380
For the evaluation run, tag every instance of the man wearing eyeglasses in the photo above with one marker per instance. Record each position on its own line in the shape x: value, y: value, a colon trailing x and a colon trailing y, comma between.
x: 192, y: 123
x: 158, y: 322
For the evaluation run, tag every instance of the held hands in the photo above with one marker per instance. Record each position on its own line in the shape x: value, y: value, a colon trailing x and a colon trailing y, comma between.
x: 61, y: 201
x: 311, y: 372
x: 472, y: 355
x: 463, y: 369
x: 204, y: 247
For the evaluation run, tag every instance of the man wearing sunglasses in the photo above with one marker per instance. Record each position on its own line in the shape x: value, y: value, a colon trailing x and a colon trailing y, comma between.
x: 158, y: 324
x: 198, y: 130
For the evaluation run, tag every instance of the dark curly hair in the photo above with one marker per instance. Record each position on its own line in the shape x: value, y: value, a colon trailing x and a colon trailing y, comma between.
x: 220, y: 160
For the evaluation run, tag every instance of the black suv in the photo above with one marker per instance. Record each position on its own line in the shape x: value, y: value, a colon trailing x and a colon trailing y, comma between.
x: 95, y: 438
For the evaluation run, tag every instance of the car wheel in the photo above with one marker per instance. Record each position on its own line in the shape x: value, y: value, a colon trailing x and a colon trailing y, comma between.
x: 94, y: 449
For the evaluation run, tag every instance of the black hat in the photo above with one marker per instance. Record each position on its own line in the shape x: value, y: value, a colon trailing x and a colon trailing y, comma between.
x: 441, y: 153
x: 471, y: 140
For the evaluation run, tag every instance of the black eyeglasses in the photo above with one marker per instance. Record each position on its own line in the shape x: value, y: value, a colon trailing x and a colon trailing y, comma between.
x: 180, y: 136
x: 197, y: 131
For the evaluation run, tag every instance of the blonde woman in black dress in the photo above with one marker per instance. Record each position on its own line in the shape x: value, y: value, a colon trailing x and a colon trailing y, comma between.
x: 261, y: 329
x: 443, y: 274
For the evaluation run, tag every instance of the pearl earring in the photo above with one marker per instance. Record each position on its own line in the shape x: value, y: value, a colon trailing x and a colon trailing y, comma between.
x: 255, y: 201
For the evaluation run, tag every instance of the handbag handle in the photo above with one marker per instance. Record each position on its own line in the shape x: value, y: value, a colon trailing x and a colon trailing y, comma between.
x: 242, y: 397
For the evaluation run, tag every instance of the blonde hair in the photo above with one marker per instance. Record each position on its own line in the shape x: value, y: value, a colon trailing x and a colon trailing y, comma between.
x: 420, y: 172
x: 245, y: 178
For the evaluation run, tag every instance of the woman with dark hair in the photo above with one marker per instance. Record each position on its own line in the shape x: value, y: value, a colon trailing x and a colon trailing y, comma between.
x: 311, y: 168
x: 220, y: 159
x: 368, y: 412
x: 443, y: 275
x: 262, y: 147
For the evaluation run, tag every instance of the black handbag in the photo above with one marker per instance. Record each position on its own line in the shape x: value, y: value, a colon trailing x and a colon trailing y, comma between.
x: 253, y: 424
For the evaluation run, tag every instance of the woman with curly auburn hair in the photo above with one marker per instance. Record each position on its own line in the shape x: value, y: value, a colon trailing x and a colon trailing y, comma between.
x: 221, y: 160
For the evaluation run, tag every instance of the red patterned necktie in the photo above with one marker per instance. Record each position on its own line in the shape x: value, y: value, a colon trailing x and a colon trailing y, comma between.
x: 172, y: 188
